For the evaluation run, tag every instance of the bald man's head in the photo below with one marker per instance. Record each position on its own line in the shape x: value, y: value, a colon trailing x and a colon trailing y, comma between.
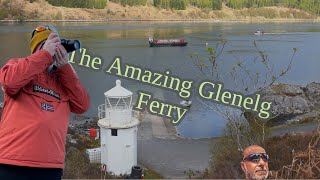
x: 252, y: 149
x: 255, y: 163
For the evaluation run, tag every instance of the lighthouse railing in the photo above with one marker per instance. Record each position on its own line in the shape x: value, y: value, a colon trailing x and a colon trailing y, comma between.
x: 102, y: 111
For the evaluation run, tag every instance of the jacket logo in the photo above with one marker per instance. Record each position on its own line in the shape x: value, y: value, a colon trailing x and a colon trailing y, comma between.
x: 37, y: 88
x: 47, y: 107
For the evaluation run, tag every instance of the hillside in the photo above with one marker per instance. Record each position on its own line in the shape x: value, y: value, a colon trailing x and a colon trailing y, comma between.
x: 42, y: 10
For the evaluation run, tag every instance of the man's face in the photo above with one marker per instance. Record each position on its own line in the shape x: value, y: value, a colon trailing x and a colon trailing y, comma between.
x: 255, y: 169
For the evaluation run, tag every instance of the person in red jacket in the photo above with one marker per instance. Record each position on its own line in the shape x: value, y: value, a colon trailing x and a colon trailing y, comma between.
x: 36, y: 111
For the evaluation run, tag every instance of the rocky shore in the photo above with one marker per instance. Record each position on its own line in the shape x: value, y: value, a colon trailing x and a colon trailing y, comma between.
x: 291, y: 103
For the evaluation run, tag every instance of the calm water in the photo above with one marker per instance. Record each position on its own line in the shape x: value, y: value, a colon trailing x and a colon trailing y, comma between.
x: 129, y: 40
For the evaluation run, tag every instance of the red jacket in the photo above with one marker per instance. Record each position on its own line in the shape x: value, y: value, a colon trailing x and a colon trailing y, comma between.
x: 36, y: 111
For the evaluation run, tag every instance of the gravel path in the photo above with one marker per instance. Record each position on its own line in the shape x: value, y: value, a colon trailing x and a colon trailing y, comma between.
x: 160, y: 149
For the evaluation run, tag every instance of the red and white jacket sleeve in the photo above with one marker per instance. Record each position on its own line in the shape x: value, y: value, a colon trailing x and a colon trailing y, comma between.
x: 18, y: 72
x: 79, y: 98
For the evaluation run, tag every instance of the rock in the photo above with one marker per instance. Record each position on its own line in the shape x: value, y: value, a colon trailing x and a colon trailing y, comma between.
x: 289, y: 102
x: 283, y: 89
x: 312, y: 92
x: 306, y: 117
x: 288, y: 105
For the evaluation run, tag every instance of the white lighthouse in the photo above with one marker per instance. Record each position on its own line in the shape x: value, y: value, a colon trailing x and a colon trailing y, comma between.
x: 118, y: 131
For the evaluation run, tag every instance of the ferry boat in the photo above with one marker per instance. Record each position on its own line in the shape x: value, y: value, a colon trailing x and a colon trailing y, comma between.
x: 166, y: 42
x: 186, y: 103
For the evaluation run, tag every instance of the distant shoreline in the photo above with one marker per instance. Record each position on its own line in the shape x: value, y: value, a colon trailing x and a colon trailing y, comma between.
x: 178, y: 20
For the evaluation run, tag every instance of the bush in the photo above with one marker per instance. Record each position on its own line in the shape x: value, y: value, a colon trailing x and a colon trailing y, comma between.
x: 77, y: 166
x: 304, y: 156
x: 289, y: 156
x: 133, y: 2
x: 97, y: 4
x: 115, y: 1
x: 217, y: 4
x: 178, y: 4
x: 12, y: 9
x: 58, y: 16
x: 171, y: 4
x: 226, y: 153
x: 225, y: 161
x: 201, y: 3
x: 280, y: 149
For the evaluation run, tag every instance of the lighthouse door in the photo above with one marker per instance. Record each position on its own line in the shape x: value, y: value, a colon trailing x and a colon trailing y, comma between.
x: 129, y: 154
x: 128, y: 151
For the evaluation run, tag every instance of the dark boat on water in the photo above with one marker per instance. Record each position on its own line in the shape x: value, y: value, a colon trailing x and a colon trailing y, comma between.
x: 167, y: 42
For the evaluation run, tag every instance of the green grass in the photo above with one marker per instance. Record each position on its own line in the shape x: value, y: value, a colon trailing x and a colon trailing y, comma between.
x: 151, y: 174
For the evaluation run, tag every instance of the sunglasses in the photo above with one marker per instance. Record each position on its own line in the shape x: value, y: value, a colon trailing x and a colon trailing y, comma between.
x: 43, y: 28
x: 256, y: 157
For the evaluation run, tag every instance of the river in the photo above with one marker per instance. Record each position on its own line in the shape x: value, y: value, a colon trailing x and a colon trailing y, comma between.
x: 129, y: 40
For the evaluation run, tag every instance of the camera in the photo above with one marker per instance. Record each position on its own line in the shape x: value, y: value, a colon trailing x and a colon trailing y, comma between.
x: 70, y: 45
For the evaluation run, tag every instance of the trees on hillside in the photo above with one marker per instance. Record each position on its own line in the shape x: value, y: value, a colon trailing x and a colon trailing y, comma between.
x: 97, y: 4
x: 311, y: 6
x: 171, y: 4
x: 130, y: 2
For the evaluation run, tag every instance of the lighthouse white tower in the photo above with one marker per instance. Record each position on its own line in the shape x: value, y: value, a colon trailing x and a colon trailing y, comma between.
x: 118, y: 131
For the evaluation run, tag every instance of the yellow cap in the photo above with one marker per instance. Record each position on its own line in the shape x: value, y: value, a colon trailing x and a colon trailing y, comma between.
x: 38, y: 38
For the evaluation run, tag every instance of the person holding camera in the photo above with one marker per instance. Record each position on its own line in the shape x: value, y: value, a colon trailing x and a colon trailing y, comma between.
x: 37, y: 106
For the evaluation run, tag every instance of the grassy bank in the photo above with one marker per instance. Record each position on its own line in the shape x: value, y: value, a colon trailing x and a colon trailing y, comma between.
x: 42, y: 10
